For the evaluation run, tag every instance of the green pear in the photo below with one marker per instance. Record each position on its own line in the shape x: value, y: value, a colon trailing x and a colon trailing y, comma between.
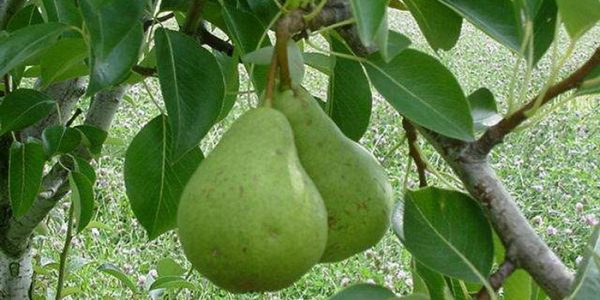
x: 353, y: 185
x: 250, y: 219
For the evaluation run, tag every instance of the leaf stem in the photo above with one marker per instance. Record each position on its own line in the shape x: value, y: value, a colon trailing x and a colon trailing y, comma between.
x: 193, y: 17
x: 64, y: 254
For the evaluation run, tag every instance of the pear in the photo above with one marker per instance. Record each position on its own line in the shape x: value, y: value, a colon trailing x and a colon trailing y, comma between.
x: 250, y: 219
x: 353, y: 185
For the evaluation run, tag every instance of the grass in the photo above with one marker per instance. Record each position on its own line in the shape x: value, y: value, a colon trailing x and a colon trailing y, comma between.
x: 551, y: 169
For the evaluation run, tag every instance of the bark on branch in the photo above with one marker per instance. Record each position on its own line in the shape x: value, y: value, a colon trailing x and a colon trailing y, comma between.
x: 497, y: 279
x: 413, y: 151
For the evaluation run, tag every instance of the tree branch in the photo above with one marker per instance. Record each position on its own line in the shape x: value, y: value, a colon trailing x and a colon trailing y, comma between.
x: 497, y: 279
x: 148, y: 23
x: 495, y: 134
x: 411, y: 139
x: 15, y: 238
x: 213, y: 41
x: 523, y: 246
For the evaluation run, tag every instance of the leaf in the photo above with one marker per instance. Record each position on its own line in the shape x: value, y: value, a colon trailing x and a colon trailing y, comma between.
x: 116, y: 37
x: 397, y: 43
x: 591, y: 83
x: 518, y: 286
x: 169, y: 267
x: 263, y: 56
x: 422, y: 89
x: 171, y: 282
x: 579, y: 16
x: 319, y: 61
x: 369, y: 16
x: 154, y: 182
x: 25, y: 168
x: 60, y: 140
x: 483, y: 109
x: 114, y: 271
x: 587, y: 280
x: 84, y: 167
x: 92, y: 138
x: 27, y: 42
x: 62, y: 59
x: 364, y: 291
x: 435, y: 282
x: 246, y: 39
x: 229, y: 68
x: 264, y: 9
x: 82, y: 195
x: 439, y: 24
x: 544, y: 26
x: 349, y: 99
x: 496, y: 18
x: 22, y: 108
x: 180, y: 5
x: 447, y: 232
x: 63, y: 11
x: 193, y: 88
x: 28, y: 15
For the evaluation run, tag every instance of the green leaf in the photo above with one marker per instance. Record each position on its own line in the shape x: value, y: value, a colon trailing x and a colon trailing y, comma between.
x: 28, y: 15
x: 447, y: 232
x: 114, y: 271
x: 543, y: 28
x: 62, y: 60
x: 439, y: 24
x: 23, y: 107
x: 82, y: 195
x: 27, y: 42
x: 369, y: 16
x: 264, y: 9
x: 63, y: 11
x: 349, y: 99
x: 263, y: 56
x: 364, y: 291
x: 579, y: 16
x: 169, y: 267
x: 180, y: 5
x: 397, y: 43
x: 518, y: 286
x: 435, y: 282
x: 193, y: 88
x: 496, y: 18
x: 229, y: 68
x: 171, y: 282
x: 154, y: 182
x: 116, y: 37
x: 587, y: 280
x: 422, y: 89
x: 246, y: 39
x: 83, y: 166
x: 319, y: 61
x: 25, y: 168
x: 60, y: 140
x: 591, y: 83
x: 92, y: 138
x: 483, y: 109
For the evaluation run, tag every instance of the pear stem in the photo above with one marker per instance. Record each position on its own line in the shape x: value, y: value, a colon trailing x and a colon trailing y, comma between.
x: 271, y: 81
x: 281, y: 48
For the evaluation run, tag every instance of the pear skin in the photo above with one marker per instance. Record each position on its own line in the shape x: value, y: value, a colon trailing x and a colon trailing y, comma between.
x: 354, y: 186
x: 250, y: 219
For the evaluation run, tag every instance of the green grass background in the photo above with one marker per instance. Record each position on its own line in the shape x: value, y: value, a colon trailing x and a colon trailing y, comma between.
x: 549, y: 167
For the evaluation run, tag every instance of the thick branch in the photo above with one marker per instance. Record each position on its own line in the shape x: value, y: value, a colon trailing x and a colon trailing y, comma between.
x: 411, y: 139
x: 15, y: 237
x: 495, y: 134
x: 66, y: 94
x: 523, y: 246
x: 497, y: 279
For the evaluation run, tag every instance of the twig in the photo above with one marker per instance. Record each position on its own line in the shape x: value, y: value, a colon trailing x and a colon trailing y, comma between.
x: 64, y: 255
x: 74, y: 117
x: 497, y: 279
x: 281, y: 49
x: 411, y: 138
x: 495, y: 134
x: 150, y: 22
x: 7, y: 87
x: 213, y: 41
x: 193, y: 17
x: 144, y: 71
x: 271, y: 80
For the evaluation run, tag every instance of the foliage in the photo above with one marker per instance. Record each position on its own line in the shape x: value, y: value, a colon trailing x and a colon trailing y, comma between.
x: 449, y: 232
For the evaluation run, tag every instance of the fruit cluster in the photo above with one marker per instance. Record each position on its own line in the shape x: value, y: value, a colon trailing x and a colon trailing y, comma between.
x: 282, y: 191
